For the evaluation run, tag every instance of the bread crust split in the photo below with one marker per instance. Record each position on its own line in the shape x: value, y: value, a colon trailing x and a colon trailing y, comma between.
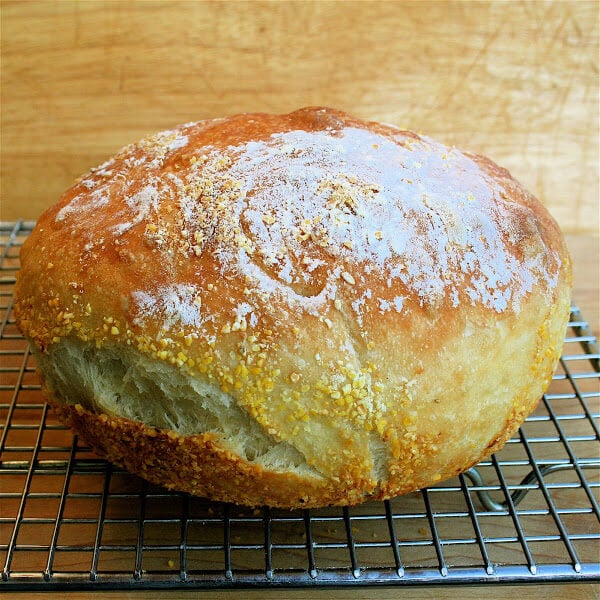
x: 295, y: 310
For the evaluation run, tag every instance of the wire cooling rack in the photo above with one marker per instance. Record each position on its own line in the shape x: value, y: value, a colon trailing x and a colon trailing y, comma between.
x: 69, y: 519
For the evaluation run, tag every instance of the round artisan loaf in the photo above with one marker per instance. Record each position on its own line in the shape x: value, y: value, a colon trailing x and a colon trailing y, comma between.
x: 294, y: 310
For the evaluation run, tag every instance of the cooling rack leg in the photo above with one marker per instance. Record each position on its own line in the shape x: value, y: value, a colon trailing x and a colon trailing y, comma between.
x: 517, y: 496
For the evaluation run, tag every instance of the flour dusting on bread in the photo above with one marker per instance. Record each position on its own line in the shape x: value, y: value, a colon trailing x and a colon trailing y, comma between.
x: 297, y: 310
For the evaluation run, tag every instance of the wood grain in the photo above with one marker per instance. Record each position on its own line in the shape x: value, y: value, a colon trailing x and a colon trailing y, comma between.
x: 585, y: 254
x: 559, y: 592
x: 517, y: 81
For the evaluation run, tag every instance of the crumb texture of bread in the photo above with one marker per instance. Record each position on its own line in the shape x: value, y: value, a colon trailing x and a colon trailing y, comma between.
x: 295, y: 310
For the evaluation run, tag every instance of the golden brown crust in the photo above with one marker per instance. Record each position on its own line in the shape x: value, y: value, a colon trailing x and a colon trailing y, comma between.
x: 386, y: 306
x: 197, y: 464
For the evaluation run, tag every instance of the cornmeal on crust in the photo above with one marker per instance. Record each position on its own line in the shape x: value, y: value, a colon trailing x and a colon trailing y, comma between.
x: 294, y: 310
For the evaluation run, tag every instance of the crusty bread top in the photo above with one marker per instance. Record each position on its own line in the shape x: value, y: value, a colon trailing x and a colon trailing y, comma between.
x: 278, y: 255
x: 297, y: 205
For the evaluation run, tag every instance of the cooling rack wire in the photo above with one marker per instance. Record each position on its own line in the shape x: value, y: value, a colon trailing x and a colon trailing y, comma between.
x: 71, y: 520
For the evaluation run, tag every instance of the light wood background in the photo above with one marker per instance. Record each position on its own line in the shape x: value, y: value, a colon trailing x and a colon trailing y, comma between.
x: 570, y: 591
x: 517, y: 81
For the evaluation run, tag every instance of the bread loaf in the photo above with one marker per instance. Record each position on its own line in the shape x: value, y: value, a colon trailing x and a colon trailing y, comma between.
x: 294, y: 310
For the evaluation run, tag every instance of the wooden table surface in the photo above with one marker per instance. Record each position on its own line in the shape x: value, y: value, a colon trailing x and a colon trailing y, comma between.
x: 585, y: 253
x: 548, y: 592
x: 517, y: 81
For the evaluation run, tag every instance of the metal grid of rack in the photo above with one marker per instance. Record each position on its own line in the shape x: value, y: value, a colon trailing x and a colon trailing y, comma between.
x: 69, y: 519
